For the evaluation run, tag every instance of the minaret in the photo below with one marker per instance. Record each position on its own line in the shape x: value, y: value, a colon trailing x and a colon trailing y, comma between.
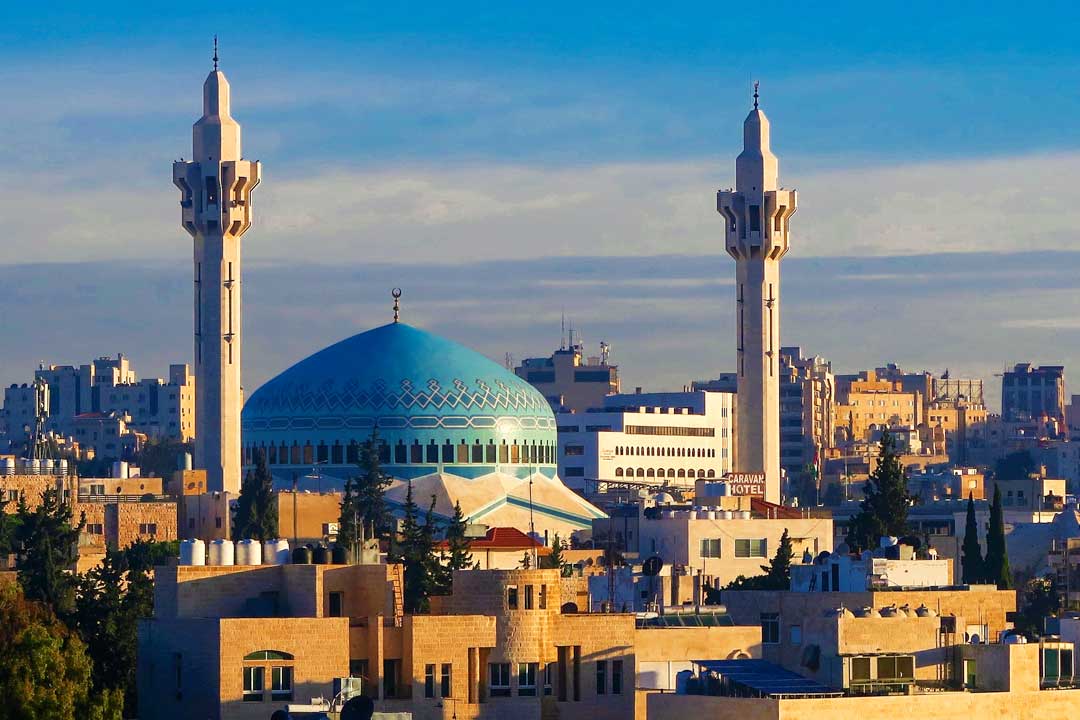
x: 756, y: 215
x: 215, y: 204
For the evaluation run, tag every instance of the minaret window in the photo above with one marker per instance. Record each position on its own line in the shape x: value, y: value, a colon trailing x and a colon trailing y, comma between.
x: 755, y: 218
x: 211, y: 190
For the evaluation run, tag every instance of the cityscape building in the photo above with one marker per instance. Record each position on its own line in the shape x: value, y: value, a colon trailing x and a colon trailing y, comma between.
x: 647, y: 440
x: 103, y: 388
x: 807, y: 420
x: 216, y: 210
x: 1029, y: 392
x: 756, y: 215
x: 570, y: 381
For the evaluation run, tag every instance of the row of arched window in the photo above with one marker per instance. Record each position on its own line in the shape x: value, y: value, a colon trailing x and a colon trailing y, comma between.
x: 670, y: 472
x: 461, y: 453
x: 665, y: 451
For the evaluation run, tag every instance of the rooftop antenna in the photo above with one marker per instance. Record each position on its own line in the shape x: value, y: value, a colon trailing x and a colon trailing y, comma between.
x: 562, y: 332
x: 755, y: 94
x: 396, y: 294
x: 215, y: 53
x: 571, y: 334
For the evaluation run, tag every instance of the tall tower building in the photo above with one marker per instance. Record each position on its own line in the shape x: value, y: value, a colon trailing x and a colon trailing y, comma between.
x: 215, y: 202
x: 756, y: 215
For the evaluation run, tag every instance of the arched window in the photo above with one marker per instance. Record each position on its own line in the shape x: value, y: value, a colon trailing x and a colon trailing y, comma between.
x: 268, y: 655
x: 650, y: 473
x: 711, y: 473
x: 681, y: 473
x: 416, y: 453
x: 448, y: 451
x: 399, y: 453
x: 490, y: 452
x: 618, y: 472
x: 641, y: 472
x: 432, y: 452
x: 671, y: 472
x: 701, y: 473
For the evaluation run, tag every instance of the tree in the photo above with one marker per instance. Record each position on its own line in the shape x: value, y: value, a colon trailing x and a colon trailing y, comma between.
x: 112, y: 598
x: 884, y: 508
x: 45, y: 673
x: 256, y: 509
x: 457, y: 556
x: 415, y: 551
x: 161, y: 458
x: 364, y: 499
x: 974, y: 569
x: 997, y: 555
x: 777, y: 574
x: 9, y: 522
x: 555, y: 558
x: 1015, y: 466
x: 47, y: 547
x: 1038, y: 599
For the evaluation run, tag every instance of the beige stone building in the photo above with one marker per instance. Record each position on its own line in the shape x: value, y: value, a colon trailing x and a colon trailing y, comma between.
x: 240, y: 642
x: 870, y: 401
x: 570, y: 381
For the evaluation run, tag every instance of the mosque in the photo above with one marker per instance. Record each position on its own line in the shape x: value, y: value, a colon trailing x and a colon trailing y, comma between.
x: 449, y: 420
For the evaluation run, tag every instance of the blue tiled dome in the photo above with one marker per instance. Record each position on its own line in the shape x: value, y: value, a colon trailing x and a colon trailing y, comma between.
x: 437, y: 405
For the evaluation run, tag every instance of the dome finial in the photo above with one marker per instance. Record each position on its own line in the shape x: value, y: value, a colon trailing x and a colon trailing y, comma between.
x: 215, y: 53
x: 396, y: 294
x: 755, y: 94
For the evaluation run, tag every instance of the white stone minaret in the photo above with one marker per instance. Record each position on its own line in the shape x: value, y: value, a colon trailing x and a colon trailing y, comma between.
x: 215, y: 203
x: 756, y: 215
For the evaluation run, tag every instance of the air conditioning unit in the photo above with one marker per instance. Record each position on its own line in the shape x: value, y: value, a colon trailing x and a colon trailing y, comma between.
x: 347, y: 687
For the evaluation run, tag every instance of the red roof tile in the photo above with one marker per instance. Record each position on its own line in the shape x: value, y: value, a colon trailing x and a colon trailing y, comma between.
x: 502, y: 538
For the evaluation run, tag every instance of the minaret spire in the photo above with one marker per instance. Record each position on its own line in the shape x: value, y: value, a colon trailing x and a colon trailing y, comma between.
x: 215, y: 209
x: 755, y: 82
x: 396, y: 294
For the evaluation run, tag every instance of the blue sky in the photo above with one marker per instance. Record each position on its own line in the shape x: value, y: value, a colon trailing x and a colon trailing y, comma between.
x: 446, y: 136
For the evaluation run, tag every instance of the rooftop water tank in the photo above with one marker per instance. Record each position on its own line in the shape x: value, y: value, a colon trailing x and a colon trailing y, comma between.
x: 7, y: 466
x: 248, y: 552
x: 275, y: 552
x: 120, y: 469
x: 339, y: 555
x: 222, y: 552
x: 744, y: 514
x: 193, y: 552
x: 302, y: 555
x: 322, y: 555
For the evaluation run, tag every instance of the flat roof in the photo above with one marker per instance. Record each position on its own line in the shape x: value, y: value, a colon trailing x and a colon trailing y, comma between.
x: 764, y: 679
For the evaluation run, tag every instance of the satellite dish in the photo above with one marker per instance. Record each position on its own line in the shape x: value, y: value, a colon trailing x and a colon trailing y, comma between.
x: 652, y: 566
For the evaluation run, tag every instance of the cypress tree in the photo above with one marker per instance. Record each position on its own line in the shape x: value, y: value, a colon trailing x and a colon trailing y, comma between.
x: 415, y: 552
x: 884, y: 509
x: 256, y: 511
x: 459, y: 557
x: 973, y: 568
x: 778, y: 571
x: 997, y: 555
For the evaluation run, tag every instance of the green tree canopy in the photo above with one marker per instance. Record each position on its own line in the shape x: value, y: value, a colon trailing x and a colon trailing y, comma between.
x: 884, y: 508
x: 47, y: 546
x: 973, y: 566
x: 161, y: 457
x: 997, y: 554
x: 1015, y: 466
x: 416, y: 551
x: 457, y: 555
x: 45, y: 673
x: 364, y: 499
x: 777, y: 574
x: 256, y: 508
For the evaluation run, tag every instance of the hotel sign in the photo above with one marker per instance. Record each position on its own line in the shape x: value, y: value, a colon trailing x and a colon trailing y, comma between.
x: 746, y: 484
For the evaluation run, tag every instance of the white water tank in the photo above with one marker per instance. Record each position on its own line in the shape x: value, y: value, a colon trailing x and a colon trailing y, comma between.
x: 670, y: 514
x: 703, y: 514
x: 33, y: 467
x: 193, y: 552
x: 222, y: 552
x: 119, y: 469
x: 248, y: 552
x: 710, y: 514
x: 744, y: 514
x: 275, y: 552
x: 7, y: 466
x: 62, y: 466
x: 47, y: 467
x: 725, y: 514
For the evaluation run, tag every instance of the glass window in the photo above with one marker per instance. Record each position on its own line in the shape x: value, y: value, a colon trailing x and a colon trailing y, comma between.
x: 528, y: 597
x: 444, y: 680
x: 512, y: 597
x: 601, y: 677
x: 432, y: 452
x: 281, y: 682
x: 750, y: 548
x: 770, y: 628
x: 527, y: 678
x: 710, y: 547
x: 616, y: 677
x: 499, y: 679
x: 860, y: 669
x: 429, y: 681
x: 549, y: 671
x: 253, y: 684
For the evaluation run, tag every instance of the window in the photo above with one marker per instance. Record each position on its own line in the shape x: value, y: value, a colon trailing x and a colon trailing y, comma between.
x: 710, y: 547
x: 528, y: 597
x: 499, y: 679
x: 429, y: 681
x: 860, y: 669
x: 795, y: 634
x: 527, y: 679
x: 601, y: 677
x: 511, y: 597
x: 543, y: 597
x: 391, y: 678
x: 750, y: 548
x: 253, y: 684
x: 574, y: 450
x: 575, y: 472
x: 148, y: 528
x: 95, y: 529
x: 549, y: 670
x: 444, y: 680
x: 336, y: 603
x: 616, y: 677
x: 281, y: 683
x: 770, y: 628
